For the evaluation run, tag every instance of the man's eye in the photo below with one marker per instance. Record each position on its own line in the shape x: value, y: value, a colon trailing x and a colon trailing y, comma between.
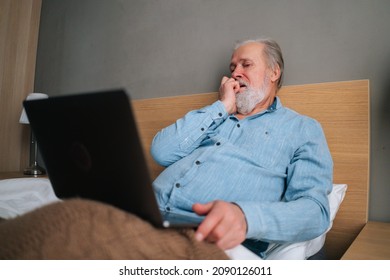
x: 247, y: 65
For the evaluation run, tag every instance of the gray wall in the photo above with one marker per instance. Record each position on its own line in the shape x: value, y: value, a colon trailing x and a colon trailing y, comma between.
x: 171, y: 47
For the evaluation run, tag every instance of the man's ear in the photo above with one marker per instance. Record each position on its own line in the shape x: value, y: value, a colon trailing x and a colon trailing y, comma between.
x: 275, y: 74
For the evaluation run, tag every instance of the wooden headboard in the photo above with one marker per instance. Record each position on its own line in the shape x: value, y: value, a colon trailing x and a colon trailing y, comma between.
x: 343, y: 110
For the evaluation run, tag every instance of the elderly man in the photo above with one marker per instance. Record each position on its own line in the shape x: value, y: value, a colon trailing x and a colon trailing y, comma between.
x: 257, y: 172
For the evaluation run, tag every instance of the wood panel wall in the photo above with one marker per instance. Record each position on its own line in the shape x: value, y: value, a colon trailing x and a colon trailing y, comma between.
x: 19, y: 27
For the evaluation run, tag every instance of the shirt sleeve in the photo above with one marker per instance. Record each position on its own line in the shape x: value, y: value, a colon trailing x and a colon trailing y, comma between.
x: 186, y: 134
x: 303, y: 213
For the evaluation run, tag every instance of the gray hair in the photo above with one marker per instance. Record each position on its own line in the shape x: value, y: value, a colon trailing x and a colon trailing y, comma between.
x: 272, y: 53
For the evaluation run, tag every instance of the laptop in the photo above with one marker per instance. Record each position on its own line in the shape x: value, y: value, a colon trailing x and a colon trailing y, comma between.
x: 91, y: 149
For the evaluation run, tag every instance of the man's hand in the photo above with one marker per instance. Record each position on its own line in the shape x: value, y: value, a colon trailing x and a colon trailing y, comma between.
x: 225, y: 224
x: 227, y: 93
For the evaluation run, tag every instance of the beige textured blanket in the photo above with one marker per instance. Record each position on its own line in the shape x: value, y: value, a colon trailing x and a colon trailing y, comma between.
x: 83, y: 229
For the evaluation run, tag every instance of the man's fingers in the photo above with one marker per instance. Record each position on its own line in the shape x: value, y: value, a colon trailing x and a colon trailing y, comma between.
x: 224, y: 80
x: 224, y: 224
x: 209, y: 223
x: 227, y: 93
x: 228, y: 240
x: 202, y: 209
x: 236, y: 87
x: 230, y: 82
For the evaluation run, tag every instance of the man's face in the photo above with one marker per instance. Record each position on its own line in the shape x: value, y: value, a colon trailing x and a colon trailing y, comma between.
x: 248, y: 66
x: 249, y: 69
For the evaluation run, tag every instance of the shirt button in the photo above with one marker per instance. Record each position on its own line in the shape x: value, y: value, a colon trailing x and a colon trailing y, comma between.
x: 197, y: 162
x: 220, y: 114
x: 238, y: 125
x: 177, y: 185
x: 218, y: 143
x: 202, y: 129
x: 168, y: 208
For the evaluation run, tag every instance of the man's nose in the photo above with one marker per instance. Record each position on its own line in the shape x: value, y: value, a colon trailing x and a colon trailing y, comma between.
x: 237, y: 73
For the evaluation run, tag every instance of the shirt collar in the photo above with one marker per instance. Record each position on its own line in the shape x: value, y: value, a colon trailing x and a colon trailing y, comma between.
x: 275, y: 105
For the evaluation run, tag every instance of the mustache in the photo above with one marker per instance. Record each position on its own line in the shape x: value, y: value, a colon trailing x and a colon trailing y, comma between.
x: 242, y: 83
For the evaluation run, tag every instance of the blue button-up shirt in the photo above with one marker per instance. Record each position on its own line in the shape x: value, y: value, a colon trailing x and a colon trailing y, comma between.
x: 275, y: 165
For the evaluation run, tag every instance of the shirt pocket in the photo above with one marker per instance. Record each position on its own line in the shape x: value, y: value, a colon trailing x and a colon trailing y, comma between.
x: 269, y: 152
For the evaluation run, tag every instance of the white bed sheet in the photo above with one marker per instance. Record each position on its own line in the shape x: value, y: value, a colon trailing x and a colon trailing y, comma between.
x: 19, y: 196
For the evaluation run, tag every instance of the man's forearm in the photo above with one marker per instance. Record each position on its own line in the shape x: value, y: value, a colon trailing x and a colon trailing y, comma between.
x: 186, y: 134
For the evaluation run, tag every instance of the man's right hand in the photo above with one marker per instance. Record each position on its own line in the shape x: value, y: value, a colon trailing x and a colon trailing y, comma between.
x: 225, y: 224
x: 227, y: 94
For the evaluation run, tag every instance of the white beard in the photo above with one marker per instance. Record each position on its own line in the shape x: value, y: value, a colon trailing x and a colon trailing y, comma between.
x: 246, y: 101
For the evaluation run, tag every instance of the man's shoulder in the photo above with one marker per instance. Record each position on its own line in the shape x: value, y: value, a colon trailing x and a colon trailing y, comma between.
x: 292, y: 114
x: 298, y: 120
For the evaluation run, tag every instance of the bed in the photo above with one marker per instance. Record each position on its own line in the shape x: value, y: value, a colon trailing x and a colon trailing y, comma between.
x: 341, y: 107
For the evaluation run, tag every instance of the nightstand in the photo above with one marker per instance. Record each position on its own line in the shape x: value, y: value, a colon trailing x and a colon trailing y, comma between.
x: 17, y: 174
x: 372, y: 243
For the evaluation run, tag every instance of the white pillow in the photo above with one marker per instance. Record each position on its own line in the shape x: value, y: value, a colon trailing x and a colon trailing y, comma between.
x: 300, y: 250
x: 335, y: 198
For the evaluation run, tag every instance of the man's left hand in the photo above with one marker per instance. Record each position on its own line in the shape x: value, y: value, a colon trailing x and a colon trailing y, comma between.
x: 225, y: 224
